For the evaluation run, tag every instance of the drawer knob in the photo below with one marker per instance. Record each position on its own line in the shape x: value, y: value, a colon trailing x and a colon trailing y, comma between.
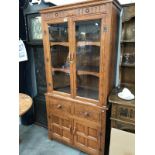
x: 86, y: 114
x: 59, y: 106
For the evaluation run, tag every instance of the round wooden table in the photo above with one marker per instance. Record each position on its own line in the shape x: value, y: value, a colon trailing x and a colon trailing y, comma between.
x: 25, y: 103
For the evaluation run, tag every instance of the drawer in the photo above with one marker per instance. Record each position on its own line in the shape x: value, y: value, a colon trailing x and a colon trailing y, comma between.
x: 87, y: 112
x: 129, y: 127
x: 124, y: 113
x: 59, y: 105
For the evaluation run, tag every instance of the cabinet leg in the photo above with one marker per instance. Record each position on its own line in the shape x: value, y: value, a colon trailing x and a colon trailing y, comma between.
x: 50, y: 135
x: 101, y: 153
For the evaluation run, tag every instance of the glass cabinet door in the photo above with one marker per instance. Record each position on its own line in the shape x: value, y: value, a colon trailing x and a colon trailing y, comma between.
x: 87, y: 58
x: 59, y: 49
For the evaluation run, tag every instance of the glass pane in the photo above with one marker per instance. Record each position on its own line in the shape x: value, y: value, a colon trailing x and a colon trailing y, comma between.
x: 61, y: 81
x: 88, y: 30
x: 58, y: 32
x: 60, y: 56
x: 60, y: 68
x: 87, y: 86
x: 88, y: 58
x: 35, y: 30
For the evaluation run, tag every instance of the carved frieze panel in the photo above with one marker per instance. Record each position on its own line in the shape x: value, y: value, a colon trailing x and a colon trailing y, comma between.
x: 75, y: 12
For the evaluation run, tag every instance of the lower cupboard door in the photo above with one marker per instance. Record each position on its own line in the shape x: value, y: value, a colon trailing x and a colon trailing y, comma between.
x: 87, y: 137
x: 61, y: 128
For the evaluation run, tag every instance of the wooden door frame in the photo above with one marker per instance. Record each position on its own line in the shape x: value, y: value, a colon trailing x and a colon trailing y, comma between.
x: 102, y: 17
x: 47, y: 55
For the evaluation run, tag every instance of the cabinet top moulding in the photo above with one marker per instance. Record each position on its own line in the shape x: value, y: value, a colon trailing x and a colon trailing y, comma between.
x: 82, y: 8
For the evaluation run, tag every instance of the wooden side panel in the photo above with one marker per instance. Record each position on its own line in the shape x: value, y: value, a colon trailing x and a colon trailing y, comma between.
x: 106, y: 51
x: 109, y: 51
x: 113, y: 56
x: 113, y: 49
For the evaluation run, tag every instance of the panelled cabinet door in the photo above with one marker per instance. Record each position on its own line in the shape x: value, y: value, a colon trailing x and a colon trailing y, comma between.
x: 61, y: 128
x: 86, y: 137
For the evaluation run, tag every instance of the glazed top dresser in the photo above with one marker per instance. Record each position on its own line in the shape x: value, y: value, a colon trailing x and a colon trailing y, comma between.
x: 80, y: 44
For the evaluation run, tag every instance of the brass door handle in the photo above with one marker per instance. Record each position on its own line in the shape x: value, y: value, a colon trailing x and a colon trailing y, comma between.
x: 71, y: 58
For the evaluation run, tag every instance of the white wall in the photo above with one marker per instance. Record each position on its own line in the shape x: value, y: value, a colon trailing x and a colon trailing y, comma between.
x: 126, y: 1
x: 62, y: 2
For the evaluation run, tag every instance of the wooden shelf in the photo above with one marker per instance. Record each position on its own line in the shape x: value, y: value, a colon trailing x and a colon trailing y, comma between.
x: 127, y: 41
x: 87, y: 93
x: 65, y: 89
x: 59, y: 43
x: 79, y: 43
x: 128, y: 65
x: 85, y: 43
x: 81, y: 72
x: 88, y: 70
x: 65, y: 70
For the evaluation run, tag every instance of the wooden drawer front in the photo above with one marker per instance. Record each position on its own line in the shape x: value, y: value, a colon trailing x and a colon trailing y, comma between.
x: 124, y: 113
x: 58, y: 105
x: 87, y: 137
x: 61, y: 128
x: 87, y: 112
x: 122, y: 125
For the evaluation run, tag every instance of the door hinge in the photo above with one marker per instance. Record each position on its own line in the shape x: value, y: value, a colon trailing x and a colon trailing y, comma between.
x: 105, y: 29
x: 47, y: 59
x: 44, y: 32
x: 49, y: 84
